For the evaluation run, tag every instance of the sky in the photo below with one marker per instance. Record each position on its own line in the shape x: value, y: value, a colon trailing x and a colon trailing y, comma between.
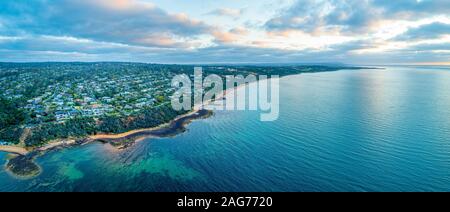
x: 226, y: 31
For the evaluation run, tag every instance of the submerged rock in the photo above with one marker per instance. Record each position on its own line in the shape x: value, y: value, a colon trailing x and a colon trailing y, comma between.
x: 23, y: 167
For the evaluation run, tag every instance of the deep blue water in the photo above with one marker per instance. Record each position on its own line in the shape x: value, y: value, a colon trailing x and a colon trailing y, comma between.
x: 351, y: 130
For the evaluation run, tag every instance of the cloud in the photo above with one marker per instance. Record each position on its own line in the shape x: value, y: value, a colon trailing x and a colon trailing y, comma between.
x: 431, y: 47
x: 224, y: 37
x: 227, y: 12
x: 240, y: 31
x: 121, y: 21
x: 352, y: 16
x: 428, y: 31
x: 59, y: 44
x: 76, y: 50
x: 366, y: 31
x: 314, y: 16
x: 230, y: 36
x: 411, y: 9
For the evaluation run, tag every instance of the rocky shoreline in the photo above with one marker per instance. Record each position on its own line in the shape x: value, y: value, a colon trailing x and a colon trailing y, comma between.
x: 22, y: 164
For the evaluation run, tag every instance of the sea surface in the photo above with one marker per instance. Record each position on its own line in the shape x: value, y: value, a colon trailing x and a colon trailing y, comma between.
x: 350, y: 130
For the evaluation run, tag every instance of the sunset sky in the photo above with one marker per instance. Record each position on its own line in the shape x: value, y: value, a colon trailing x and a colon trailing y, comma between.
x: 226, y: 31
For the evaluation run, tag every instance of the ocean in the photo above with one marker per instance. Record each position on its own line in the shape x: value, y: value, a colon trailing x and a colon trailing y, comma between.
x: 350, y: 130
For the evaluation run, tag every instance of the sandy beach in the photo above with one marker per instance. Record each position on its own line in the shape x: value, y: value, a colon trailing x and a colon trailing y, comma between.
x: 132, y: 132
x: 54, y: 144
x: 197, y: 108
x: 14, y: 150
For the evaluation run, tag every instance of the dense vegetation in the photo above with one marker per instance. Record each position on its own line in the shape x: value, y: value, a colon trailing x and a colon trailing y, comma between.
x: 82, y: 127
x: 10, y: 117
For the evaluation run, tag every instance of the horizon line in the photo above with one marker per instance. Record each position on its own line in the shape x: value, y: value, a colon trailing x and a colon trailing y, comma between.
x: 243, y: 63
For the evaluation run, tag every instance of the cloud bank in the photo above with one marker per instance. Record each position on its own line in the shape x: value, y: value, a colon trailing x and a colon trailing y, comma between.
x: 349, y: 31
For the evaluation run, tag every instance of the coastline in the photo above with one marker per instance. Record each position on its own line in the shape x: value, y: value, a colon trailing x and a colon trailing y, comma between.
x: 132, y: 132
x: 175, y: 127
x: 146, y: 132
x: 22, y: 164
x: 19, y: 150
x: 120, y: 137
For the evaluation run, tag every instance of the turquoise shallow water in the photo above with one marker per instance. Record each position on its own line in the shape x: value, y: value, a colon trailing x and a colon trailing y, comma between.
x: 355, y: 130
